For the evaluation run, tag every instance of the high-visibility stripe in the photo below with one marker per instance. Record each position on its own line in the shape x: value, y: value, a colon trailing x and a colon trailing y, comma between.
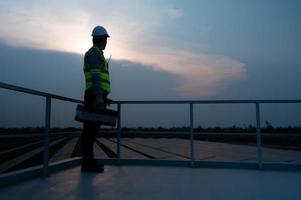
x: 106, y: 81
x: 105, y: 87
x: 104, y: 76
x: 88, y: 75
x: 89, y: 85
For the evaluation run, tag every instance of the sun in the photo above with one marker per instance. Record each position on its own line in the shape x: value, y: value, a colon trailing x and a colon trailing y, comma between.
x: 82, y: 45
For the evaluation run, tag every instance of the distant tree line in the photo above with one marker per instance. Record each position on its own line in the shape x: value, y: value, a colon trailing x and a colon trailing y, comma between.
x: 37, y: 130
x: 233, y: 129
x: 217, y: 129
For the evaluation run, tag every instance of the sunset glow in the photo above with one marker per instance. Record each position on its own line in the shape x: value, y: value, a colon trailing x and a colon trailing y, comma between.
x: 160, y: 50
x: 164, y: 37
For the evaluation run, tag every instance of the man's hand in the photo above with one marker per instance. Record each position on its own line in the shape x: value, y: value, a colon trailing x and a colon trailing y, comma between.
x: 99, y: 103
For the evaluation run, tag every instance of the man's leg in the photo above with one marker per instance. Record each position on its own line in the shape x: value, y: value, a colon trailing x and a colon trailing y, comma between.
x: 88, y: 138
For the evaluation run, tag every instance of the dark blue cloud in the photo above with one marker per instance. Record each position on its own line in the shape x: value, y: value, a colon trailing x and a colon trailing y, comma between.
x: 61, y: 73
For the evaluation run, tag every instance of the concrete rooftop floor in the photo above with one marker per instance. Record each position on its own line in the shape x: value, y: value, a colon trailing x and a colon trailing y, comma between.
x: 151, y: 182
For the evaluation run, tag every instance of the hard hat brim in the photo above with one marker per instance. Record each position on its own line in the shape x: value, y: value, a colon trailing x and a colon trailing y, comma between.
x: 100, y: 36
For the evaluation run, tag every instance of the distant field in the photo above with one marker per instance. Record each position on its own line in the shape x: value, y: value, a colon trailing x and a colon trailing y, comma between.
x: 18, y: 151
x: 276, y: 140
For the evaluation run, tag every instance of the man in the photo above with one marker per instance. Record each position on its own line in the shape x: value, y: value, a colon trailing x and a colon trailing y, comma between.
x: 97, y: 88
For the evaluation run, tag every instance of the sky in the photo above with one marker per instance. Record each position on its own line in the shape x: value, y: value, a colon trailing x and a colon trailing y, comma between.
x: 161, y: 50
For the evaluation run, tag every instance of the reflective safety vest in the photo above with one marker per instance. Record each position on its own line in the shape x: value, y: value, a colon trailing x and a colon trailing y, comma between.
x: 102, y: 72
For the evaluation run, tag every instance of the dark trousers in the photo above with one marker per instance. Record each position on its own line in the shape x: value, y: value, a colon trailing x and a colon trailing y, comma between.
x: 89, y: 134
x: 90, y: 130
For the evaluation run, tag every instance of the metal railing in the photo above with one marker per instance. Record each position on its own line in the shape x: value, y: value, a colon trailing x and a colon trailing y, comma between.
x: 49, y: 96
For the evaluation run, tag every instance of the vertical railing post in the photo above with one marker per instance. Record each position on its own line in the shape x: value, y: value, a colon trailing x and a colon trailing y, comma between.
x: 46, y: 136
x: 191, y: 135
x: 119, y: 131
x: 258, y: 136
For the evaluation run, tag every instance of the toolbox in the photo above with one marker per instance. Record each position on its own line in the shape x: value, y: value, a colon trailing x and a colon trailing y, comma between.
x: 105, y: 117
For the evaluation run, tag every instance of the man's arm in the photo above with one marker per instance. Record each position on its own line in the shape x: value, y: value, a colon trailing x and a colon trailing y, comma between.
x: 95, y: 64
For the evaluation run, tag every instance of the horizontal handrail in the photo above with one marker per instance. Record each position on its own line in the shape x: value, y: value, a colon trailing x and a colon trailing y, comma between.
x: 207, y: 101
x: 39, y: 93
x: 49, y: 96
x: 36, y: 92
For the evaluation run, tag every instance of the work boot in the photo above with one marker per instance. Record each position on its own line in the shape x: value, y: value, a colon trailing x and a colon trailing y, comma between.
x: 92, y: 166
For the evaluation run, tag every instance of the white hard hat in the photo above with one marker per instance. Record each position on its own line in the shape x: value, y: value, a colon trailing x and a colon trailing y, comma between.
x: 100, y: 31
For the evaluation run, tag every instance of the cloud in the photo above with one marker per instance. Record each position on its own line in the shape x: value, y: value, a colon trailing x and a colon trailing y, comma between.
x: 133, y: 81
x: 61, y: 73
x: 134, y: 29
x: 199, y: 75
